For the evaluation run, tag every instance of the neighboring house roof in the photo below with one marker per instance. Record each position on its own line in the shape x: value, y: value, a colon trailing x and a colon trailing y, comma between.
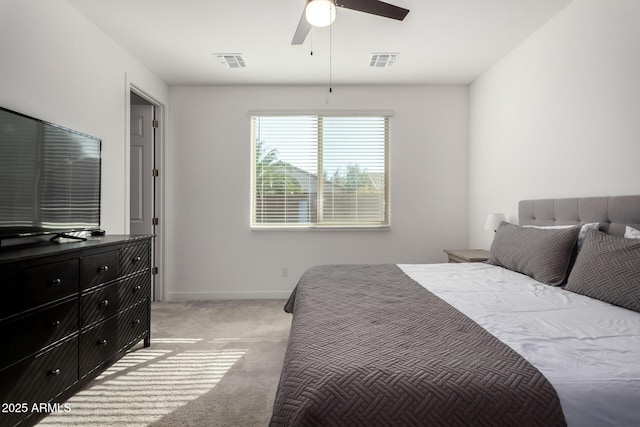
x: 308, y: 181
x: 377, y: 180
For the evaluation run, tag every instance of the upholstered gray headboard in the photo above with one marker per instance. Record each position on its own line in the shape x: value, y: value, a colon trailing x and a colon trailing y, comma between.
x: 613, y: 213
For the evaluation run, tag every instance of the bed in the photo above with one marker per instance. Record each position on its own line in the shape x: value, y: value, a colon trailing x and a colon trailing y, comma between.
x: 540, y: 335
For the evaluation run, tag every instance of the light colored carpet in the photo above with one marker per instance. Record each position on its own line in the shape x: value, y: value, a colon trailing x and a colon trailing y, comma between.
x: 210, y: 364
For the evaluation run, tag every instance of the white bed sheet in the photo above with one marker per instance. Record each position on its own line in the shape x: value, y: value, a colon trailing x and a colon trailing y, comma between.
x: 589, y: 350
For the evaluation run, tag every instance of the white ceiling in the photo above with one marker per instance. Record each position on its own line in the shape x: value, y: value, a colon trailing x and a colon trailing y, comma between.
x: 440, y: 41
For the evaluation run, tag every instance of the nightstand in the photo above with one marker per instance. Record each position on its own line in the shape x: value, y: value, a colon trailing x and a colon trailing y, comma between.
x: 467, y: 255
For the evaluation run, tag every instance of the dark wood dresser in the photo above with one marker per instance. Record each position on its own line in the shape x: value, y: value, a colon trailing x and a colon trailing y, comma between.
x: 68, y: 311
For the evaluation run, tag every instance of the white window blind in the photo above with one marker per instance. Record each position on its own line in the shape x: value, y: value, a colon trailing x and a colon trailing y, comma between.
x: 320, y: 171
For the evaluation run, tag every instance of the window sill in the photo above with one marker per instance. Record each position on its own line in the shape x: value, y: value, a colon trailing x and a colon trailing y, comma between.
x: 320, y: 228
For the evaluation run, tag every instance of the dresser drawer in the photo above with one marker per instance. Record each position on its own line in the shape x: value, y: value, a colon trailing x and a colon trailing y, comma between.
x: 134, y: 289
x: 135, y: 258
x: 99, y: 304
x: 106, y: 301
x: 134, y: 325
x: 41, y: 378
x: 98, y: 344
x: 102, y: 341
x: 10, y: 302
x: 29, y: 334
x: 99, y: 268
x: 49, y: 282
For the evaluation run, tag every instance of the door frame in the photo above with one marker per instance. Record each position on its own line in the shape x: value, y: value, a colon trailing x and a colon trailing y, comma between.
x: 158, y: 280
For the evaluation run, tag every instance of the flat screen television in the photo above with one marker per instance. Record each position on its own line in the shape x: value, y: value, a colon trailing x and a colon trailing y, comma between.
x: 49, y: 178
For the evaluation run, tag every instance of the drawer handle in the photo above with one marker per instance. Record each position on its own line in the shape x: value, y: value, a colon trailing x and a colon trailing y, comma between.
x: 104, y: 303
x: 136, y: 288
x: 135, y: 322
x: 54, y: 372
x: 55, y: 282
x: 102, y: 342
x: 103, y: 268
x: 55, y: 324
x: 136, y: 259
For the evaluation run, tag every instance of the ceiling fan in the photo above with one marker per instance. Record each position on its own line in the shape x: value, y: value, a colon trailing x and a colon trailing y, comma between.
x: 326, y: 9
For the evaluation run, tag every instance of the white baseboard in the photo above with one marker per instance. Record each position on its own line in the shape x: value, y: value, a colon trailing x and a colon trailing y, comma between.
x: 223, y: 295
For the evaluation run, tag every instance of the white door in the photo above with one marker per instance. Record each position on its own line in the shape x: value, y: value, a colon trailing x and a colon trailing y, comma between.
x: 142, y: 160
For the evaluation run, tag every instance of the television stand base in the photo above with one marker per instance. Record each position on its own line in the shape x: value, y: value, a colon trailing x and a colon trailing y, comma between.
x: 59, y: 236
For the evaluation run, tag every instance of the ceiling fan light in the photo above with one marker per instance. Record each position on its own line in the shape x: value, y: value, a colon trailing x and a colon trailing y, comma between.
x: 320, y: 13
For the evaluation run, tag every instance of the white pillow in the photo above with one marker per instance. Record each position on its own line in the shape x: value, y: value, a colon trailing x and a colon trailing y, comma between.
x: 631, y: 233
x: 581, y: 235
x: 583, y: 232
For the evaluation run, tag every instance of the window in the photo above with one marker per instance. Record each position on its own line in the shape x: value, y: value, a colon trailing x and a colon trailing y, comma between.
x: 320, y: 171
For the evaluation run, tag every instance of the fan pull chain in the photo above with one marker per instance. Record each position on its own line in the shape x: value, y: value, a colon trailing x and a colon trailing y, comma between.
x: 311, y: 34
x: 330, y: 58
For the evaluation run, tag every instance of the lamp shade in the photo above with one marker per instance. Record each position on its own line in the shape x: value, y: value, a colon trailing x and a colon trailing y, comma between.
x: 320, y: 13
x: 493, y: 221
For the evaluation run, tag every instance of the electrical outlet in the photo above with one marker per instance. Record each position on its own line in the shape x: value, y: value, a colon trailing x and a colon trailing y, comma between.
x: 284, y: 271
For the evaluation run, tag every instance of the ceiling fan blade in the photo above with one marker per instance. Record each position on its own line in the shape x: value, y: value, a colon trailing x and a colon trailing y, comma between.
x: 301, y: 32
x: 375, y: 7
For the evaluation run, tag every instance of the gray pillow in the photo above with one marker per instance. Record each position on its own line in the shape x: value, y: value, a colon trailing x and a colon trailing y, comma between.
x: 608, y: 269
x: 544, y: 254
x: 581, y: 235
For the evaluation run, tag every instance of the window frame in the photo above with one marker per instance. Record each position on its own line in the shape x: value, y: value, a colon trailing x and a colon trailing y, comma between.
x: 320, y: 225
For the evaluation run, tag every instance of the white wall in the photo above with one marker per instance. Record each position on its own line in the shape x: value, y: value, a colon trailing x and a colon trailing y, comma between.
x: 211, y: 251
x: 57, y: 66
x: 560, y: 115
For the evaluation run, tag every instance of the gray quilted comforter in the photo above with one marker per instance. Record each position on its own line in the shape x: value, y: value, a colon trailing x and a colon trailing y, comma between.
x: 371, y: 347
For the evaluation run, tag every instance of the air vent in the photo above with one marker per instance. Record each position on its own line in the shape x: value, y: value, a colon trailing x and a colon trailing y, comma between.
x: 382, y: 60
x: 232, y: 60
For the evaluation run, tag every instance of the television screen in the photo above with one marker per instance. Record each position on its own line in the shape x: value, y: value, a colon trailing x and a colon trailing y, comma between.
x: 49, y: 178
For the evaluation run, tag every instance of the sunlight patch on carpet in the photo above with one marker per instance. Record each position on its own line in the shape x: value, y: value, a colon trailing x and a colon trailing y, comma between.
x: 176, y: 340
x: 246, y: 340
x: 145, y: 385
